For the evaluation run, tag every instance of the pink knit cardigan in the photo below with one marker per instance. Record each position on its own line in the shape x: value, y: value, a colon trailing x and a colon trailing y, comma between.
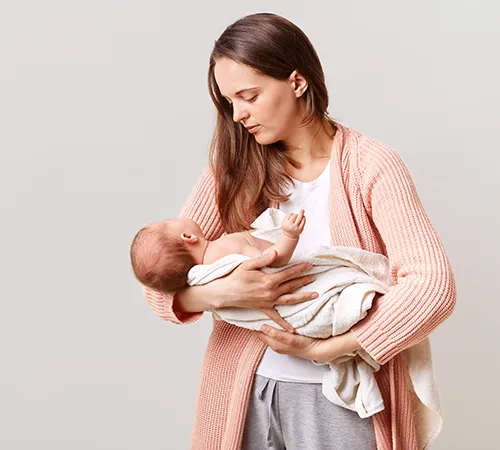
x: 374, y: 205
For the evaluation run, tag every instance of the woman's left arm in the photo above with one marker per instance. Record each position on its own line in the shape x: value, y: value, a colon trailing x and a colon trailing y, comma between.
x: 423, y: 293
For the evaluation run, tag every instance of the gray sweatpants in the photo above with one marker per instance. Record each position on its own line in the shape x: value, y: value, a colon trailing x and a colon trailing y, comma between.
x: 283, y: 415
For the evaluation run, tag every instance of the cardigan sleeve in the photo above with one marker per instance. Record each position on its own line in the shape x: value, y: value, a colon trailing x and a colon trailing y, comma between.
x: 200, y: 207
x: 423, y: 291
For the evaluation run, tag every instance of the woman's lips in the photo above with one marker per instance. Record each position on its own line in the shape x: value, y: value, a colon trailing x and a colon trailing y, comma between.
x: 253, y: 129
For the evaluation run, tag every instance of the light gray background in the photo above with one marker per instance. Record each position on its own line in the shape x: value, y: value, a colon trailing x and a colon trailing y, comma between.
x: 105, y: 121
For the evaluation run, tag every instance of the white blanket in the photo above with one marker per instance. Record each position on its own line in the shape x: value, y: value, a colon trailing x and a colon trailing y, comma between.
x: 347, y: 280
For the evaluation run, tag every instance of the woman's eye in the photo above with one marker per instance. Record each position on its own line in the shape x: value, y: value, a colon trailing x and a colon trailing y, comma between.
x: 250, y: 100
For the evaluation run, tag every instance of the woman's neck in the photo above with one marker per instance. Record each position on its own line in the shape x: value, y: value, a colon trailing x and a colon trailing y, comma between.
x: 311, y: 145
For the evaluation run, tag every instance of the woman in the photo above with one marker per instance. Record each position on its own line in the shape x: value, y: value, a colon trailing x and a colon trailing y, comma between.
x: 275, y: 145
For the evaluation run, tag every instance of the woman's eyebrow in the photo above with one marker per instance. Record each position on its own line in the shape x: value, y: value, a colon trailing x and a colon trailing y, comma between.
x: 243, y: 90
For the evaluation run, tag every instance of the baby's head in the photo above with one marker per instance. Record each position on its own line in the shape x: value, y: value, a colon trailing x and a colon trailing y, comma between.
x: 162, y: 253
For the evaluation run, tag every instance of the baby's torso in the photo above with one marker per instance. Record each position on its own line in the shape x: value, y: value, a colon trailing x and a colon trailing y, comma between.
x: 242, y: 243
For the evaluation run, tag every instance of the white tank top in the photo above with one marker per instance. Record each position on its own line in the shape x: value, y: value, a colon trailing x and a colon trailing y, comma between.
x: 313, y: 197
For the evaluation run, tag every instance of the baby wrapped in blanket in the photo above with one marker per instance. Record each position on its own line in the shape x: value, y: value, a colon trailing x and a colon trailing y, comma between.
x: 167, y: 255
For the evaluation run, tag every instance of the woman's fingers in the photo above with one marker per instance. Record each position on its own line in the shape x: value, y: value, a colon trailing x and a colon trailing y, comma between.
x: 290, y: 299
x: 286, y: 289
x: 290, y: 272
x: 275, y: 317
x: 295, y: 283
x: 283, y: 284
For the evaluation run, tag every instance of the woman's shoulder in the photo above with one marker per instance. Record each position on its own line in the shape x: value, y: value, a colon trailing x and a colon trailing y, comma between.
x: 364, y: 144
x: 369, y: 153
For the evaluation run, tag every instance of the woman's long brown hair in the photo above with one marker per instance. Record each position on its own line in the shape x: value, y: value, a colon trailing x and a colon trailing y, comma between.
x: 250, y: 175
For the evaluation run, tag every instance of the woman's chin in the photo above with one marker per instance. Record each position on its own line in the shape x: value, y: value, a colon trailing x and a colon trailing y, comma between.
x: 261, y: 138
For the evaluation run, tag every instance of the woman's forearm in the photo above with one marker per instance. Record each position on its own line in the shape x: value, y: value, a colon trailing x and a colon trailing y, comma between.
x: 191, y: 299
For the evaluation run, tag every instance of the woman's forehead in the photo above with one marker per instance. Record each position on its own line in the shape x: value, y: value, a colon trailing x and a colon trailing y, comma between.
x: 234, y: 78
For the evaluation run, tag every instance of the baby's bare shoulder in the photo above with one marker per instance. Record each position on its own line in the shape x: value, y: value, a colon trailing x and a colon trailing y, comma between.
x: 230, y: 243
x: 238, y: 238
x: 244, y: 243
x: 258, y: 243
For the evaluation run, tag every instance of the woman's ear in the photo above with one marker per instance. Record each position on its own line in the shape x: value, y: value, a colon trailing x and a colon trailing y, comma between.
x: 189, y: 238
x: 298, y: 82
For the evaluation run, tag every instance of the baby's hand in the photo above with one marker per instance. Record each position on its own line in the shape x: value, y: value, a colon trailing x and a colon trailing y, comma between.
x: 293, y: 224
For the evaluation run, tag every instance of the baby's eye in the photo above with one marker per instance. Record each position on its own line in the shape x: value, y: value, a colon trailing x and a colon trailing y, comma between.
x: 252, y: 99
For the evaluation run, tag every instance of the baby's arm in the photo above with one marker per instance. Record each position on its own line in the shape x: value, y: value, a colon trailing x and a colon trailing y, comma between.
x: 292, y: 227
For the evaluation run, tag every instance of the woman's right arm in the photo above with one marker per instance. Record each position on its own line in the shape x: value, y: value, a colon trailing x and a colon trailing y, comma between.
x: 187, y: 305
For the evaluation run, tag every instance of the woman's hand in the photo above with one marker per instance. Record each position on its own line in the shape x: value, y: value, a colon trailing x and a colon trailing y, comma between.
x: 320, y: 350
x: 248, y: 287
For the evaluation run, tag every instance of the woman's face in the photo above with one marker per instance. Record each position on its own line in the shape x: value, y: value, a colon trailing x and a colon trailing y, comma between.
x: 261, y: 100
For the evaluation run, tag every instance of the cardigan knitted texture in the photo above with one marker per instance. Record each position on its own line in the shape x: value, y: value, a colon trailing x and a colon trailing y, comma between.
x: 374, y: 205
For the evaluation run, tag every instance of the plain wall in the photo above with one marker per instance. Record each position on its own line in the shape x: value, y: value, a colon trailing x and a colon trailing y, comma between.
x: 105, y: 121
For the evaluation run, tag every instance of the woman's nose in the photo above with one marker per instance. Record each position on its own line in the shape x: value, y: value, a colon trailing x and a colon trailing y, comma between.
x: 239, y: 114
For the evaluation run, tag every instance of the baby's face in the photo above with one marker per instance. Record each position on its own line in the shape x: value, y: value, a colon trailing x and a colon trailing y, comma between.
x: 177, y: 226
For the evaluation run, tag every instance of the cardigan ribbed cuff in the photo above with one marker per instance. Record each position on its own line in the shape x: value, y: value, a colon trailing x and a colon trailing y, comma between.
x: 373, y: 340
x: 164, y: 306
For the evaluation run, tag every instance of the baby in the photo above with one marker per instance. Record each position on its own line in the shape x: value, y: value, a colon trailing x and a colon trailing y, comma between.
x: 162, y: 253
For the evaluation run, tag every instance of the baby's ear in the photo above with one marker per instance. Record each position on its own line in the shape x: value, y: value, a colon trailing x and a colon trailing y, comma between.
x: 189, y: 238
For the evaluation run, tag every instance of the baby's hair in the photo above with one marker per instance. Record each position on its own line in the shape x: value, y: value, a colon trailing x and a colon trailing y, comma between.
x: 160, y: 261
